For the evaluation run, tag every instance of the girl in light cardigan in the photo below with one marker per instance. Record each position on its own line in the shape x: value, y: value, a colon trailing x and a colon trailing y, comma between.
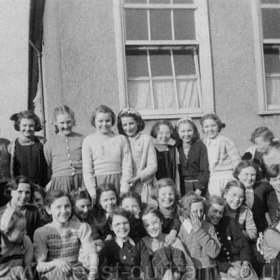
x: 144, y: 160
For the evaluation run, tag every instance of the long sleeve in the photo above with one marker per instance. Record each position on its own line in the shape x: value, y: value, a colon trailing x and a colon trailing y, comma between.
x: 40, y: 245
x: 232, y: 153
x: 48, y: 154
x: 204, y: 173
x: 88, y: 167
x: 28, y: 255
x: 145, y: 261
x: 250, y: 226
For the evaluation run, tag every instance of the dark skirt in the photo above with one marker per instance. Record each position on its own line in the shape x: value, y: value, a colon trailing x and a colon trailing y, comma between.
x: 207, y: 273
x: 272, y: 269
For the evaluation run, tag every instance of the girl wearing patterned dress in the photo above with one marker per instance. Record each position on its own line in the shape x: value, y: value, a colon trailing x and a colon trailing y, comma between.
x: 63, y: 152
x: 57, y: 244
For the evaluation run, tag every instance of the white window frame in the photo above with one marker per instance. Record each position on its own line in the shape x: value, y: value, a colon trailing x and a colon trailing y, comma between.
x: 203, y: 40
x: 264, y: 108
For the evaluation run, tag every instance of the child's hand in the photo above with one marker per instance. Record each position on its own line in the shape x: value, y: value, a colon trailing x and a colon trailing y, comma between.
x: 196, y: 224
x: 245, y: 269
x: 233, y: 272
x: 108, y: 237
x: 171, y: 237
x: 197, y: 191
x: 63, y: 266
x: 133, y: 181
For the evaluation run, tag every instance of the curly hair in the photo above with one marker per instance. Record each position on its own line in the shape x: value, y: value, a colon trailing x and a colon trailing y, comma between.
x: 242, y: 165
x: 263, y: 132
x: 63, y: 110
x: 30, y: 115
x: 196, y: 135
x: 103, y: 109
x: 215, y: 118
x: 156, y: 127
x: 186, y: 202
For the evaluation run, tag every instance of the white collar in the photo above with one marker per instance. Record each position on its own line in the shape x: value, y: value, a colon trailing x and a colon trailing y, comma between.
x: 120, y: 242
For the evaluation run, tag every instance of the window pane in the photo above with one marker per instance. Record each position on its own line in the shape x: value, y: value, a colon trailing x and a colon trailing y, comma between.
x: 271, y: 23
x: 272, y: 59
x: 183, y: 1
x: 184, y: 24
x: 136, y: 63
x: 273, y: 90
x: 160, y: 63
x: 136, y: 24
x: 159, y: 1
x: 270, y: 1
x: 139, y: 96
x: 188, y: 94
x: 164, y: 94
x: 184, y: 62
x: 160, y: 24
x: 136, y: 1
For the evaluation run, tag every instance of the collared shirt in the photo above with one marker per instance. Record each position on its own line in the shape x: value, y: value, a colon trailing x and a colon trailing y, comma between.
x: 120, y: 242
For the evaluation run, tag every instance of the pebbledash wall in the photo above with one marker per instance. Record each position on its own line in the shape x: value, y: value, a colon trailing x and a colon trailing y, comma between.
x: 80, y: 64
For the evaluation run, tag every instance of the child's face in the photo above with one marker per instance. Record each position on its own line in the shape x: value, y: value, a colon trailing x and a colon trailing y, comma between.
x: 275, y: 183
x: 120, y: 226
x: 82, y: 207
x: 152, y: 225
x: 210, y: 128
x: 130, y: 204
x: 64, y: 123
x: 247, y: 176
x: 215, y: 214
x: 234, y: 197
x: 38, y: 200
x: 186, y: 132
x: 60, y: 210
x: 166, y: 197
x: 262, y: 144
x: 27, y: 127
x: 197, y: 208
x: 164, y: 134
x: 16, y: 235
x: 108, y: 201
x: 129, y: 126
x: 21, y: 196
x: 103, y: 122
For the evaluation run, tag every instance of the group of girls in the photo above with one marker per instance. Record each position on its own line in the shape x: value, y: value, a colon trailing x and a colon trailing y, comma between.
x: 114, y: 197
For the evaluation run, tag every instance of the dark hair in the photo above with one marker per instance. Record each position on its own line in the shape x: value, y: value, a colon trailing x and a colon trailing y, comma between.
x: 167, y: 182
x: 63, y: 110
x: 13, y: 186
x: 52, y: 196
x: 128, y: 112
x: 263, y: 132
x: 273, y: 171
x: 214, y: 199
x: 103, y: 109
x: 196, y: 135
x: 233, y: 183
x: 79, y: 194
x: 133, y: 195
x: 154, y: 211
x: 156, y: 127
x: 119, y: 212
x: 30, y: 115
x: 186, y: 202
x: 242, y: 165
x: 40, y: 190
x: 215, y: 118
x: 105, y: 188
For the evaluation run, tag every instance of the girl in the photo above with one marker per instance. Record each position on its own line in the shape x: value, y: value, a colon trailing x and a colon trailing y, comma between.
x: 131, y: 202
x: 163, y: 255
x: 57, y: 244
x: 234, y: 194
x: 120, y: 257
x: 194, y: 168
x: 106, y: 203
x: 167, y: 204
x: 131, y: 124
x: 273, y: 199
x: 256, y: 193
x: 16, y: 249
x: 106, y: 156
x: 63, y: 152
x: 163, y: 132
x: 199, y: 237
x: 27, y: 156
x: 4, y: 168
x: 20, y: 193
x: 222, y: 154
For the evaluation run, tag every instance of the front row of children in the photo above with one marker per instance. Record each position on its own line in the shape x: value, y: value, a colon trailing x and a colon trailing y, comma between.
x: 192, y: 239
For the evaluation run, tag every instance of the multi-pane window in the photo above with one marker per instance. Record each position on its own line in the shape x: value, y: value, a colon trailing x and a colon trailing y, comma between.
x: 167, y: 57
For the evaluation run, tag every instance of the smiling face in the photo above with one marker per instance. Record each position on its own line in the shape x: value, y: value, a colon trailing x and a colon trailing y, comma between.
x: 82, y: 207
x: 27, y: 127
x: 21, y: 196
x: 60, y: 210
x: 163, y: 134
x: 186, y: 132
x: 103, y: 123
x: 38, y: 200
x: 120, y: 226
x: 262, y: 144
x: 130, y: 204
x: 215, y: 214
x: 129, y: 126
x: 152, y: 224
x: 197, y: 208
x: 275, y: 183
x: 247, y: 176
x: 210, y: 128
x: 234, y: 197
x: 64, y: 123
x: 108, y: 201
x: 166, y: 197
